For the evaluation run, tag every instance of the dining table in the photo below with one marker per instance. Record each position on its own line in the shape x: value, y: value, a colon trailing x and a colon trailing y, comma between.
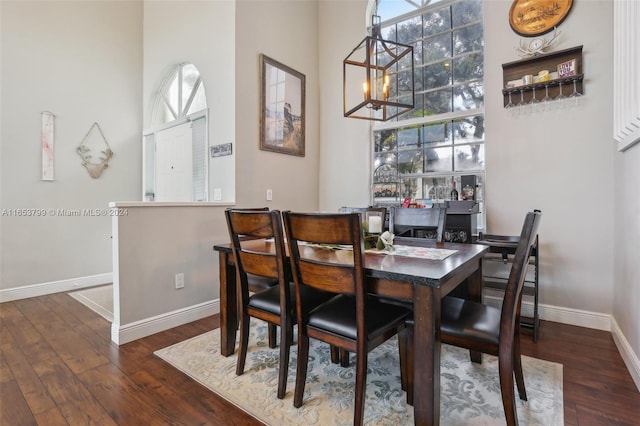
x: 421, y: 281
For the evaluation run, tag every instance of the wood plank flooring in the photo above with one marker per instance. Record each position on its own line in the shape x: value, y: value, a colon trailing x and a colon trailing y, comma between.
x: 58, y: 366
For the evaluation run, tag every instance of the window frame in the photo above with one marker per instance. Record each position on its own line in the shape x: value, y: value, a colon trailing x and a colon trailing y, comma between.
x: 449, y: 117
x: 171, y: 109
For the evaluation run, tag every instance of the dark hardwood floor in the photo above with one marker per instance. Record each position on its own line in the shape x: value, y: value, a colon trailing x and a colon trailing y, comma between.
x: 58, y: 366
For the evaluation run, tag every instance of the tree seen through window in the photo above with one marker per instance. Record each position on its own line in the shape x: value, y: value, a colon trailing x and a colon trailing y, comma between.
x: 444, y: 138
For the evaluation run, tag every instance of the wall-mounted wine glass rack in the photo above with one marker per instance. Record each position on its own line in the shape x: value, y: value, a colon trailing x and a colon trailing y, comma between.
x: 515, y: 71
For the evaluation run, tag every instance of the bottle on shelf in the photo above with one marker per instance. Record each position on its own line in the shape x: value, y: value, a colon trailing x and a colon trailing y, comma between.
x: 453, y: 195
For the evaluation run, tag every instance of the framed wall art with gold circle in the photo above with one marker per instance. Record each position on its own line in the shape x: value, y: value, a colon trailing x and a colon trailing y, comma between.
x: 531, y: 18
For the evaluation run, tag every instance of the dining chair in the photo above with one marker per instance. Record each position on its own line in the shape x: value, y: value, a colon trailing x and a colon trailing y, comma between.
x: 407, y: 224
x: 275, y: 305
x: 258, y: 283
x: 343, y: 356
x: 488, y: 329
x: 418, y: 223
x: 353, y: 320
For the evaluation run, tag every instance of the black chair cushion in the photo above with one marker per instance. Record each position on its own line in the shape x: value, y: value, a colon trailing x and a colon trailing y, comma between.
x: 338, y: 316
x: 466, y: 319
x: 261, y: 282
x: 269, y: 300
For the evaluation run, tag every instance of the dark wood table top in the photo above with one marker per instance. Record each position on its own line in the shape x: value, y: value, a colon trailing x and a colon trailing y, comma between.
x: 400, y: 268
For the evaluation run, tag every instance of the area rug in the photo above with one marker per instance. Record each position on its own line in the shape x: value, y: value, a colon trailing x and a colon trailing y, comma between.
x: 98, y: 299
x: 470, y: 393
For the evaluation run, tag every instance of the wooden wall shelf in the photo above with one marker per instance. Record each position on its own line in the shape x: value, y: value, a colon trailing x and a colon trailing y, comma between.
x: 549, y: 61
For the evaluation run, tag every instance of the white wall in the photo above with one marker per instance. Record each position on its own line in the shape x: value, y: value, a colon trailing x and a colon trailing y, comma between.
x: 626, y: 289
x: 559, y: 161
x: 286, y: 31
x: 83, y: 62
x: 152, y: 243
x: 201, y: 33
x: 345, y: 153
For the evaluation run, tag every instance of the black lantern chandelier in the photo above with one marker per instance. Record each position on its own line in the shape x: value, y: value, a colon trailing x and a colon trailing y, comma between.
x: 378, y: 78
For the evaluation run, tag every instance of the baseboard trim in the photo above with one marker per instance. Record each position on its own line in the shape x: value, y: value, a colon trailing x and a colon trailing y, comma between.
x: 592, y: 320
x: 563, y: 315
x: 121, y: 334
x: 626, y: 351
x: 577, y: 317
x: 42, y: 289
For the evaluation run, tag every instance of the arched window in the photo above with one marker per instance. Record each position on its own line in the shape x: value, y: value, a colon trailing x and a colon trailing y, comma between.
x: 440, y: 141
x: 180, y: 94
x: 175, y: 153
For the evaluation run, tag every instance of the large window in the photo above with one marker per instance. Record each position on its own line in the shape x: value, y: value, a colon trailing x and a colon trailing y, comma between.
x: 422, y: 152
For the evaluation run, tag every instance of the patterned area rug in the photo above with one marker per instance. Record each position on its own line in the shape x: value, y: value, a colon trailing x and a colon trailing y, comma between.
x: 470, y: 393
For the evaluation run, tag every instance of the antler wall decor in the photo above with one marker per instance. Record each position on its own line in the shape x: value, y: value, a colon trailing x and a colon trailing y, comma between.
x: 94, y: 169
x: 538, y: 45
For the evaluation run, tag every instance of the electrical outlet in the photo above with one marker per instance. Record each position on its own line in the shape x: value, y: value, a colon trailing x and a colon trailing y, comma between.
x: 179, y: 280
x: 269, y: 195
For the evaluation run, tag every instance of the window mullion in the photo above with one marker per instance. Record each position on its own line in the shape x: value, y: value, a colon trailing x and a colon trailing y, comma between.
x: 427, y: 120
x: 192, y: 95
x: 180, y: 83
x: 168, y: 104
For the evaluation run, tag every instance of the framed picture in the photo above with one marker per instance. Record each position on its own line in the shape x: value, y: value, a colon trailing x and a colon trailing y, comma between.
x: 530, y: 18
x: 221, y: 150
x: 282, y: 101
x: 567, y: 69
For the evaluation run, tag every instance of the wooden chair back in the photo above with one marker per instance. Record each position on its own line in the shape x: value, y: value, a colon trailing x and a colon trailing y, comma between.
x: 259, y: 260
x: 336, y: 271
x: 510, y: 315
x: 420, y: 223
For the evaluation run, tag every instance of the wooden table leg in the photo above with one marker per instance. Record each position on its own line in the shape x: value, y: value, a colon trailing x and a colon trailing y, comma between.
x: 474, y: 286
x: 228, y: 305
x: 426, y: 370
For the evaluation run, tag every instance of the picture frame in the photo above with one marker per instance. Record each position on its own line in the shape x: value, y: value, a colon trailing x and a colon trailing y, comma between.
x: 221, y: 150
x: 531, y: 18
x: 567, y: 69
x: 47, y: 133
x: 282, y: 108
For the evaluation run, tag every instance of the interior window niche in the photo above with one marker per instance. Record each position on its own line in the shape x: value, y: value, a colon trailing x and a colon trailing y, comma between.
x: 175, y: 150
